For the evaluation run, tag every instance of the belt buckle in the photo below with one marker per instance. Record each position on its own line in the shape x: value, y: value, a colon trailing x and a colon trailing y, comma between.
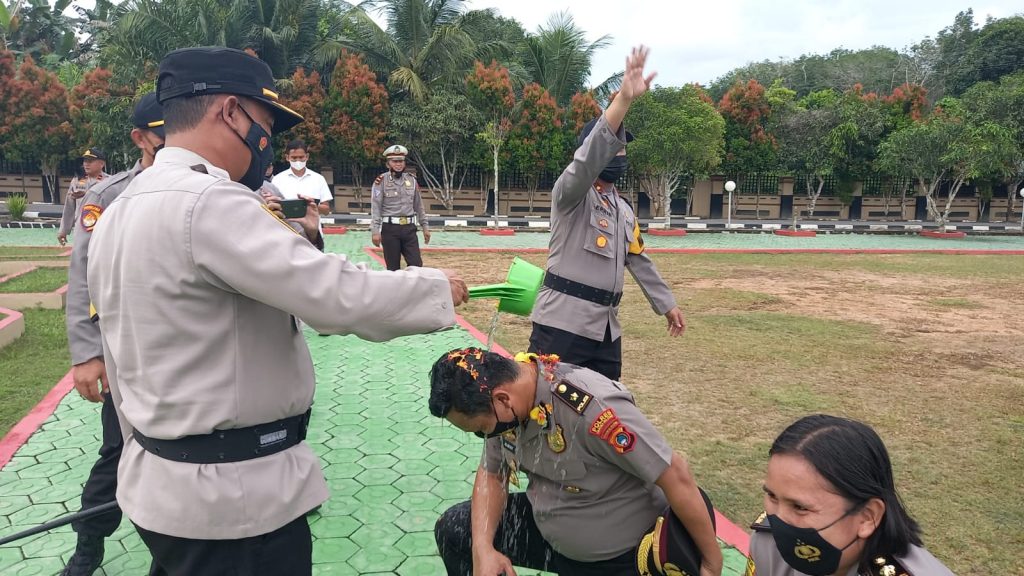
x: 403, y: 220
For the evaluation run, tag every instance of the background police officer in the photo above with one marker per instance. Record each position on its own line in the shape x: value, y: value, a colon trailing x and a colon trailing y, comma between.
x: 94, y: 161
x: 197, y: 284
x: 594, y: 237
x: 86, y: 344
x: 395, y: 209
x: 600, y: 473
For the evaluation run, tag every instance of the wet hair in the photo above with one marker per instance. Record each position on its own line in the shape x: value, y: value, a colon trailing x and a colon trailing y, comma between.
x: 185, y: 113
x: 852, y: 457
x: 463, y: 380
x: 297, y: 144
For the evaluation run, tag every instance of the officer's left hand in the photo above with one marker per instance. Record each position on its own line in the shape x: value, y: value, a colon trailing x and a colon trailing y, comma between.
x: 426, y: 236
x: 676, y: 322
x: 86, y: 375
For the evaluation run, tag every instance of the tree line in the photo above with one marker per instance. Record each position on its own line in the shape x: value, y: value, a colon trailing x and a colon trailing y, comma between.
x: 478, y: 99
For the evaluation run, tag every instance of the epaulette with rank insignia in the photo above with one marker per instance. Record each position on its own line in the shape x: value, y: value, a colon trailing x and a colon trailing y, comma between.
x: 888, y: 566
x: 577, y: 399
x: 761, y: 524
x: 378, y: 180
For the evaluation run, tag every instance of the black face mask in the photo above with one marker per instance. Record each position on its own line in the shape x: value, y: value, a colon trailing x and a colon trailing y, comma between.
x: 804, y: 549
x: 614, y: 170
x: 501, y: 427
x: 260, y: 151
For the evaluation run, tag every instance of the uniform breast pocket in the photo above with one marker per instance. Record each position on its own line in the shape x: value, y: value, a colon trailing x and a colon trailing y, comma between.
x: 391, y: 193
x: 600, y: 237
x: 563, y: 471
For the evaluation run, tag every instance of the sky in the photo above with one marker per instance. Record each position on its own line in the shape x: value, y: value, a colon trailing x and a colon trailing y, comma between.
x: 701, y: 41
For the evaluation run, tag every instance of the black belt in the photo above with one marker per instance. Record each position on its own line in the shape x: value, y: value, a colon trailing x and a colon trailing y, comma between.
x: 234, y: 445
x: 583, y: 291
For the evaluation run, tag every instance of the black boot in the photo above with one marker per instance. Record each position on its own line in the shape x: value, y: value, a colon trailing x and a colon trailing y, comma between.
x: 87, y: 557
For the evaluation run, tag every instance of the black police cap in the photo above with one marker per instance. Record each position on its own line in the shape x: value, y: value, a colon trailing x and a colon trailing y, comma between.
x: 589, y: 127
x: 149, y: 115
x: 216, y: 70
x: 94, y: 153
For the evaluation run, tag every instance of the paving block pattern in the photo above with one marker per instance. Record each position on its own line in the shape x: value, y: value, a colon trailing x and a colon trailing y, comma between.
x: 392, y: 467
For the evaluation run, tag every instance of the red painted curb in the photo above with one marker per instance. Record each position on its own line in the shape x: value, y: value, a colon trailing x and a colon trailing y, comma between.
x: 16, y: 274
x: 801, y: 233
x: 946, y: 251
x: 941, y: 234
x: 28, y: 425
x: 335, y: 229
x: 497, y: 232
x: 11, y: 316
x: 728, y: 532
x: 666, y: 232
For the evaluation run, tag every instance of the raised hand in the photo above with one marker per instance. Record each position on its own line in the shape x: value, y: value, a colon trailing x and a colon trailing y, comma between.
x: 634, y: 83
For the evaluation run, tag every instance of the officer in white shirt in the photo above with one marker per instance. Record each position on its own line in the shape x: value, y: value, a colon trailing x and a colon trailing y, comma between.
x: 301, y: 181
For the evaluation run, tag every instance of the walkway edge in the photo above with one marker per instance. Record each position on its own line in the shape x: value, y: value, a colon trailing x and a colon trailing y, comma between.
x: 726, y: 530
x: 28, y: 425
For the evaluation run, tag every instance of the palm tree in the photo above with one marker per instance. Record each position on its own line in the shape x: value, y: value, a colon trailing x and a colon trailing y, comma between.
x: 427, y: 44
x: 34, y: 28
x: 558, y: 57
x: 282, y: 32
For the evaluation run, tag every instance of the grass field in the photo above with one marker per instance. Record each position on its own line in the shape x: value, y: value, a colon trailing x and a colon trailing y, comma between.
x: 32, y: 364
x: 925, y: 348
x: 44, y: 279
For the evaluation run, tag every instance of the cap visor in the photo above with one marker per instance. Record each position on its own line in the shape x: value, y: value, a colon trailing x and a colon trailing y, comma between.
x: 284, y: 117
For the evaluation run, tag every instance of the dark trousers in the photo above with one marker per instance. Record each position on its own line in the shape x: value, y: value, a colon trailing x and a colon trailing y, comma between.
x: 518, y: 538
x: 287, y: 550
x: 398, y: 241
x: 101, y: 486
x: 604, y: 357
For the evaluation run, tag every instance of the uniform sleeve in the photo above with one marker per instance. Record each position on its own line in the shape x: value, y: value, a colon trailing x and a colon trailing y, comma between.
x: 84, y: 339
x: 653, y: 285
x: 587, y: 163
x: 764, y: 556
x: 375, y: 200
x: 238, y: 244
x: 67, y: 217
x: 417, y: 206
x: 620, y: 434
x: 490, y: 458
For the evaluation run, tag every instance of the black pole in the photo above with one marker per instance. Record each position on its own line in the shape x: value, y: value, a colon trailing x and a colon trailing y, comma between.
x: 62, y: 521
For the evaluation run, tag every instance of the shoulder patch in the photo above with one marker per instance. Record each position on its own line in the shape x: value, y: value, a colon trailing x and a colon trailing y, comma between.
x: 761, y: 524
x: 637, y: 245
x: 607, y: 427
x: 90, y: 216
x: 577, y: 399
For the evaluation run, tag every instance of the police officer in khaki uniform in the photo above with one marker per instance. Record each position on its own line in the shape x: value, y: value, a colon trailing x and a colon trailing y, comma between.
x: 86, y: 344
x: 395, y: 209
x: 198, y: 285
x: 594, y: 237
x: 93, y: 163
x: 832, y: 508
x: 600, y: 475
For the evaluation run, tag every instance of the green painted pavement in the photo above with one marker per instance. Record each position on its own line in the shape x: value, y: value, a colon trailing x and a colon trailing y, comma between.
x: 392, y: 468
x: 357, y: 239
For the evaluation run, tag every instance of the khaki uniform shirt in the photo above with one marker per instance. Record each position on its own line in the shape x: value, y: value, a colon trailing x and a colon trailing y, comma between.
x: 197, y: 286
x: 84, y: 338
x: 591, y: 236
x: 72, y: 205
x: 765, y: 560
x: 392, y: 196
x: 592, y: 500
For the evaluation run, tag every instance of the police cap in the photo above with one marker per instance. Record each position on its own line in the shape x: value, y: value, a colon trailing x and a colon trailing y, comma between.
x: 149, y: 115
x: 589, y: 127
x: 216, y: 70
x: 93, y: 154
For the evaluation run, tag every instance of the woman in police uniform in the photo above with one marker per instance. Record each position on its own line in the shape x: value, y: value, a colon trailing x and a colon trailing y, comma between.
x: 831, y: 507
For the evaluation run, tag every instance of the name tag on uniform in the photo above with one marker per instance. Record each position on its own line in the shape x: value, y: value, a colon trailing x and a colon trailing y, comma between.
x: 273, y: 437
